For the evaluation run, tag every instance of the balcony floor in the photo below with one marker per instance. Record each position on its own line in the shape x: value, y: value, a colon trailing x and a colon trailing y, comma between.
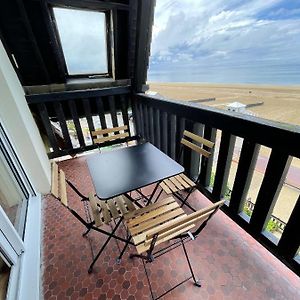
x: 229, y: 263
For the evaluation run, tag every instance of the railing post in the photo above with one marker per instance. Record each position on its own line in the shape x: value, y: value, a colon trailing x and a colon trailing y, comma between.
x: 275, y: 175
x: 290, y: 239
x: 223, y: 165
x: 195, y: 157
x: 206, y: 163
x: 246, y: 166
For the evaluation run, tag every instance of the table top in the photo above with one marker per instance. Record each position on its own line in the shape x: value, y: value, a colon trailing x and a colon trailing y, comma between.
x: 120, y: 171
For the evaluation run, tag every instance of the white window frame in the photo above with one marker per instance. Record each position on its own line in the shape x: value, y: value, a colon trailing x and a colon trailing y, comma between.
x: 23, y: 257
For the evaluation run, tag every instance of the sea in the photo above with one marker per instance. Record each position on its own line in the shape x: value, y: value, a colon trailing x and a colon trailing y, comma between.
x: 252, y: 74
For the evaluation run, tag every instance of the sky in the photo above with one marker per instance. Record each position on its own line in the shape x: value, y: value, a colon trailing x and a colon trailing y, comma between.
x: 83, y: 39
x: 226, y: 41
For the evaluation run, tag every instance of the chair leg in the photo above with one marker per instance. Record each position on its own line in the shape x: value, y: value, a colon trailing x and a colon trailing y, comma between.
x: 86, y: 232
x: 180, y: 199
x: 196, y: 282
x: 118, y: 260
x: 148, y: 279
x: 103, y: 247
x: 158, y: 195
x: 187, y: 196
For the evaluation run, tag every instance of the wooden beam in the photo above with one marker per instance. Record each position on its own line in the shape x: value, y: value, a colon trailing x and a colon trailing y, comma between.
x: 54, y: 42
x: 32, y: 39
x: 67, y: 95
x: 89, y: 4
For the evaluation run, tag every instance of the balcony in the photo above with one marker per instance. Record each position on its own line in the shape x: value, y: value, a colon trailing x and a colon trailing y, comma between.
x: 239, y: 266
x: 237, y: 256
x: 230, y: 263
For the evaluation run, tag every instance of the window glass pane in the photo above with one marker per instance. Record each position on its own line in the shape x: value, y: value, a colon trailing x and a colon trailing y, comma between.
x: 11, y: 197
x: 4, y: 276
x: 83, y: 39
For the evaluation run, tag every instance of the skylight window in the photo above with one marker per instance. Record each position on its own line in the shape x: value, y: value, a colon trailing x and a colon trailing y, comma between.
x: 83, y: 39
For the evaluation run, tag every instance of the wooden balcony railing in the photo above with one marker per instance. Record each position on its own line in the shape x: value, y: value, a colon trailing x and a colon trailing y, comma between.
x: 67, y: 118
x: 162, y: 122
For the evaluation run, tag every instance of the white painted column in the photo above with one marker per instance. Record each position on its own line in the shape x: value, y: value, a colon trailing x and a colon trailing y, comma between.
x: 19, y: 124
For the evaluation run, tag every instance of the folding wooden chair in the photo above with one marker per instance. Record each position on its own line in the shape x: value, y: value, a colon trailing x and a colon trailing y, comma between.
x: 181, y: 182
x: 164, y: 221
x: 119, y: 134
x: 98, y: 212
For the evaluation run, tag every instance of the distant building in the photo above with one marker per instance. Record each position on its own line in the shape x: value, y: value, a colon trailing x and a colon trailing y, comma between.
x: 154, y: 94
x: 239, y: 107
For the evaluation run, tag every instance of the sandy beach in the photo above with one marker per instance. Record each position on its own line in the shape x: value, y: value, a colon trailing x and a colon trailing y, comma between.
x: 281, y: 103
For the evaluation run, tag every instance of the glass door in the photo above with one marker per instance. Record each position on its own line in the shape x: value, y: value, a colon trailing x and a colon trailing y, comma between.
x: 4, y: 276
x: 15, y: 192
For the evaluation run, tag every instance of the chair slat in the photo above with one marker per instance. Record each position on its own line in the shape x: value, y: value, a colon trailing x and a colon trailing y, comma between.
x: 139, y: 232
x: 165, y: 188
x: 109, y: 130
x: 153, y: 213
x: 105, y: 211
x: 183, y: 182
x: 95, y: 210
x: 121, y: 205
x: 171, y: 185
x: 193, y: 217
x: 198, y: 139
x: 177, y: 226
x: 63, y: 188
x: 177, y: 183
x: 113, y: 208
x: 142, y: 247
x: 195, y: 147
x: 187, y: 180
x: 111, y: 138
x: 128, y: 203
x: 143, y: 210
x: 54, y: 180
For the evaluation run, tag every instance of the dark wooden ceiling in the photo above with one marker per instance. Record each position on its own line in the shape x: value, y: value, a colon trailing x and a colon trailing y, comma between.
x: 28, y: 35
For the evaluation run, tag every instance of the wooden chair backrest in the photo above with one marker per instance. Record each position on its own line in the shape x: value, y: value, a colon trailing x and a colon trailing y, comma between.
x: 59, y: 185
x: 198, y: 139
x: 113, y: 134
x: 178, y: 226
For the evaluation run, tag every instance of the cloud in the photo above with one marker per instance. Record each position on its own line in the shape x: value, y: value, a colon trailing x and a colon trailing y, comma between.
x: 203, y: 34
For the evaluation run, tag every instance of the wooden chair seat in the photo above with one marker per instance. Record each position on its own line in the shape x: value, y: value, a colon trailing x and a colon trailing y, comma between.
x: 106, y: 211
x: 98, y: 212
x: 177, y: 183
x: 142, y: 221
x: 165, y: 218
x: 200, y: 146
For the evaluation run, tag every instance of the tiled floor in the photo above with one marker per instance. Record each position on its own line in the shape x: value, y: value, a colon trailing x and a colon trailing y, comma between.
x: 229, y: 263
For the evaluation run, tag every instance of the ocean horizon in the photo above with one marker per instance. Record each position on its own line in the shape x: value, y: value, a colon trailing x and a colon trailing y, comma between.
x: 280, y: 75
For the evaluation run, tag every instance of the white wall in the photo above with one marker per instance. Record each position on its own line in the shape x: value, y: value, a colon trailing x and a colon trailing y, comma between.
x: 16, y: 118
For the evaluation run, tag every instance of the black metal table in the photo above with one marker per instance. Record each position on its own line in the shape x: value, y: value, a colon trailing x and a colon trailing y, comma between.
x: 118, y: 172
x: 124, y: 170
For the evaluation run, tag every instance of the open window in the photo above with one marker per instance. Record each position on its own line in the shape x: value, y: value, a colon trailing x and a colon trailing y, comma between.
x: 84, y: 40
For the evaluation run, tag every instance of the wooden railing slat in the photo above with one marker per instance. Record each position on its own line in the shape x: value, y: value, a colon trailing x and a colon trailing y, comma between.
x: 74, y: 113
x: 63, y: 124
x: 47, y: 125
x: 223, y: 165
x: 245, y: 170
